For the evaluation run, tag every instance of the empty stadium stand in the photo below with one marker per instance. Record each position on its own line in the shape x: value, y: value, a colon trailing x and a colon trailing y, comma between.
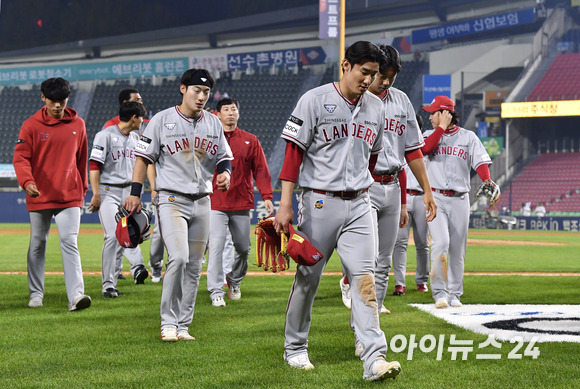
x: 552, y: 179
x: 561, y: 81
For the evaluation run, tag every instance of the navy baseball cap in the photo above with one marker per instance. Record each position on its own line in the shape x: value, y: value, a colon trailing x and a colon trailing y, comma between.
x: 440, y: 102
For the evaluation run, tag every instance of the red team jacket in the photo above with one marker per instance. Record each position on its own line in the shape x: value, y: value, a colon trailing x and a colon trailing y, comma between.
x: 249, y: 163
x: 53, y: 154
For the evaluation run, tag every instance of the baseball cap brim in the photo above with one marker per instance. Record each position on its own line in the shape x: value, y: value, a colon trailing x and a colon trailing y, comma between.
x: 301, y: 250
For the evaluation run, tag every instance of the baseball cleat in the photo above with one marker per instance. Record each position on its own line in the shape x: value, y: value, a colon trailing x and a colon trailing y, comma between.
x: 169, y: 335
x: 184, y: 335
x: 441, y: 303
x: 218, y: 301
x: 300, y: 361
x: 422, y: 288
x: 119, y: 293
x: 156, y: 275
x: 234, y: 293
x: 81, y: 301
x: 358, y: 348
x: 381, y: 369
x: 35, y: 302
x: 399, y: 290
x: 140, y: 275
x: 110, y: 293
x: 345, y: 289
x: 121, y: 277
x: 455, y: 303
x: 384, y: 310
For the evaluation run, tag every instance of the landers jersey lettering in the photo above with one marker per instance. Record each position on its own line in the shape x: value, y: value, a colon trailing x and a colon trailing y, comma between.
x: 450, y: 164
x: 358, y: 131
x: 338, y: 138
x: 401, y: 133
x: 116, y: 152
x: 184, y: 150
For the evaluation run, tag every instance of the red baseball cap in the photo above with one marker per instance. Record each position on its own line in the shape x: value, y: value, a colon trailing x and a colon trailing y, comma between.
x: 301, y: 250
x: 440, y: 102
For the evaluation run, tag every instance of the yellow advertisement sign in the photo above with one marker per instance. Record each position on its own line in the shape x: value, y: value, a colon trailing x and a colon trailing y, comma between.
x: 533, y: 109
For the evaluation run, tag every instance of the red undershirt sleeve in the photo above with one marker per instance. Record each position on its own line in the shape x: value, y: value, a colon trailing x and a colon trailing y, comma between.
x: 432, y: 141
x: 412, y: 155
x: 483, y: 172
x: 292, y: 160
x: 373, y: 162
x: 403, y: 184
x: 94, y: 165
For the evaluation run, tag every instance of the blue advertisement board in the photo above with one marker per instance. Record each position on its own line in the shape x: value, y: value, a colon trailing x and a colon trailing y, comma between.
x: 435, y: 85
x: 546, y: 223
x: 474, y: 26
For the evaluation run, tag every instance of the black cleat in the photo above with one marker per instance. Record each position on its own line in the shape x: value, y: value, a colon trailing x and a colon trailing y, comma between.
x: 121, y: 277
x: 140, y: 275
x: 110, y: 293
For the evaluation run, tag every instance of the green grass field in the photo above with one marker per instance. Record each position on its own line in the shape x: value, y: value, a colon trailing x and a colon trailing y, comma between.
x: 115, y: 343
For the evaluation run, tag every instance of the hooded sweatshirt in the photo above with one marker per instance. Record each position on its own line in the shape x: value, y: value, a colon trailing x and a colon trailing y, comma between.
x: 52, y: 154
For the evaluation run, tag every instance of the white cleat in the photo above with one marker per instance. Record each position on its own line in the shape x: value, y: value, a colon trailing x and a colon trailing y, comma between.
x: 455, y: 303
x: 169, y: 335
x: 385, y: 311
x: 300, y: 361
x: 184, y: 335
x: 345, y: 289
x: 441, y: 303
x: 218, y: 302
x: 35, y: 302
x: 381, y: 369
x: 81, y: 301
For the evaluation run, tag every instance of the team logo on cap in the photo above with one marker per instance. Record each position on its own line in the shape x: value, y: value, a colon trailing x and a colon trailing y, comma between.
x: 203, y: 79
x: 330, y: 107
x: 171, y: 198
x: 169, y: 126
x: 319, y: 204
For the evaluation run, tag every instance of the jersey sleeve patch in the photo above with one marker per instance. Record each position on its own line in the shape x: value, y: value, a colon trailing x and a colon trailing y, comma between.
x: 143, y: 144
x: 20, y: 141
x: 292, y: 126
x: 97, y: 152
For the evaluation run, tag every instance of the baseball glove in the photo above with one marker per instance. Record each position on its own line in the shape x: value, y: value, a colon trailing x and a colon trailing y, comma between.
x: 270, y: 247
x: 489, y: 189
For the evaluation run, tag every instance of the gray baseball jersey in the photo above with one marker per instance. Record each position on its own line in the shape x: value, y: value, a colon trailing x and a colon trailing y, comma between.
x: 335, y: 135
x: 116, y: 152
x: 450, y: 164
x: 338, y: 138
x: 171, y: 140
x: 401, y: 133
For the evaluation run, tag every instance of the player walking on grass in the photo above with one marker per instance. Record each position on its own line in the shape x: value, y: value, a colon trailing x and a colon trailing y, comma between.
x: 333, y: 138
x: 232, y: 208
x: 111, y: 167
x: 186, y: 144
x: 402, y: 141
x: 451, y: 153
x: 416, y: 212
x: 50, y: 160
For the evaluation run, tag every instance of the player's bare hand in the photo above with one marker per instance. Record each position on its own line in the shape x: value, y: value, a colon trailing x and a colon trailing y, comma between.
x: 95, y: 203
x: 445, y: 119
x: 284, y: 216
x: 404, y: 220
x: 430, y: 206
x: 31, y: 190
x: 131, y: 203
x: 269, y: 206
x: 223, y: 181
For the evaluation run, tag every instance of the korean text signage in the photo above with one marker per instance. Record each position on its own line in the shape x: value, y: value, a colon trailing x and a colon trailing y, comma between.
x: 329, y: 19
x: 474, y: 26
x: 533, y: 109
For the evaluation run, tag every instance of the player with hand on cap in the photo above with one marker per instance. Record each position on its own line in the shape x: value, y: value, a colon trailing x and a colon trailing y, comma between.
x: 451, y: 152
x: 186, y: 144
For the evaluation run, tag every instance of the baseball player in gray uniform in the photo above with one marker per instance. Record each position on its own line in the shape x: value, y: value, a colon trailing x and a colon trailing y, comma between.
x: 111, y: 167
x: 333, y: 138
x: 186, y: 144
x: 451, y: 153
x: 416, y: 213
x: 402, y: 141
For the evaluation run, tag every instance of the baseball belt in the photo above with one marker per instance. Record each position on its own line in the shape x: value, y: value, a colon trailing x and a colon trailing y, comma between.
x: 344, y: 194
